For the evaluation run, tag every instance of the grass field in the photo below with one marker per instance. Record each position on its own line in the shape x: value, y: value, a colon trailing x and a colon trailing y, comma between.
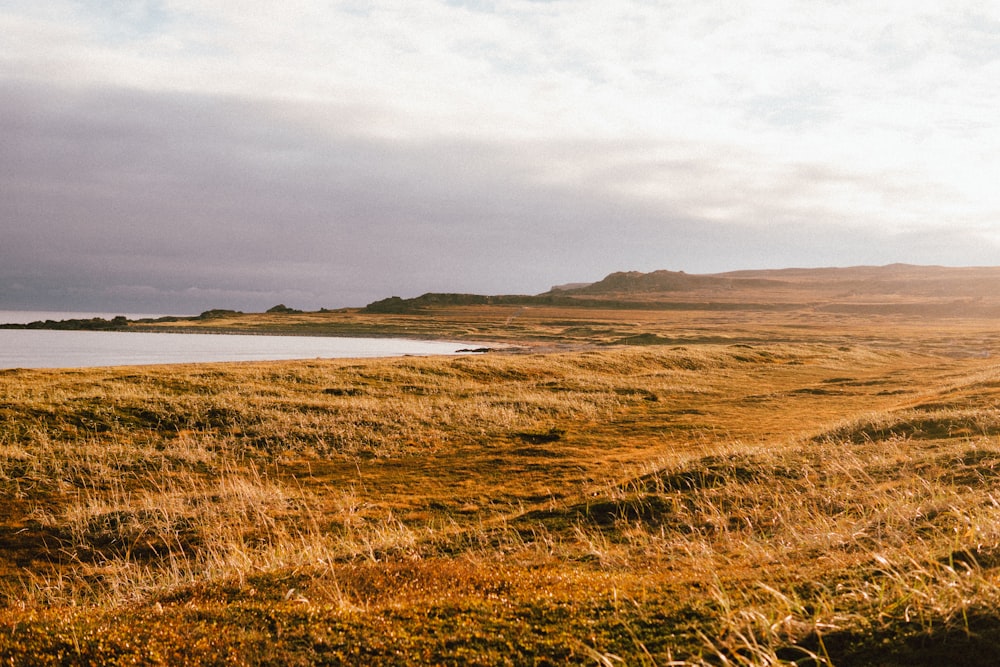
x: 633, y: 488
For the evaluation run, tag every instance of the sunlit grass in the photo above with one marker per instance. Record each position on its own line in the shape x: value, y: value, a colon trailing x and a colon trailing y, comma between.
x: 703, y: 504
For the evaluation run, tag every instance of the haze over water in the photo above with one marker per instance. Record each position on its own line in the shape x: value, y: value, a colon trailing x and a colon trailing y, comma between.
x: 41, y: 348
x: 29, y: 316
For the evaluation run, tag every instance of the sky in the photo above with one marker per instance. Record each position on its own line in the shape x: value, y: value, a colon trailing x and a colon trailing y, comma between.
x: 174, y: 156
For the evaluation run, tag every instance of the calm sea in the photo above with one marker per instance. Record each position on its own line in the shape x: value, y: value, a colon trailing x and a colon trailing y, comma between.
x: 20, y: 348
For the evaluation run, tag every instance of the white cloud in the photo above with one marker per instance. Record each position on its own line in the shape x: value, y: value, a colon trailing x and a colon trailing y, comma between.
x: 780, y: 114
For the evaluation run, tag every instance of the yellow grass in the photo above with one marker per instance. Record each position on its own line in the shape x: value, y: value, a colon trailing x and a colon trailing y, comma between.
x: 827, y: 497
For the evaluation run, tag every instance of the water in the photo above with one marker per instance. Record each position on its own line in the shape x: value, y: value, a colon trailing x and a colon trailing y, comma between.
x: 29, y: 316
x: 21, y: 348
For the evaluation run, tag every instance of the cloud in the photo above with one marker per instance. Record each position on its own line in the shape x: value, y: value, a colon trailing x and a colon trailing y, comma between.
x: 180, y: 152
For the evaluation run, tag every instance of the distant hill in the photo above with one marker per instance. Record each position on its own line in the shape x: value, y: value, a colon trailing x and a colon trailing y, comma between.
x: 892, y: 282
x: 631, y: 282
x: 896, y: 288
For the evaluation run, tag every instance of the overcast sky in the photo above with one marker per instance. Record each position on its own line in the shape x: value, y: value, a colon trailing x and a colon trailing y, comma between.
x: 179, y: 155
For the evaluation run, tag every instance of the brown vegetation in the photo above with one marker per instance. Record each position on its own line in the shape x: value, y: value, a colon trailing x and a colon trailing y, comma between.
x: 654, y: 489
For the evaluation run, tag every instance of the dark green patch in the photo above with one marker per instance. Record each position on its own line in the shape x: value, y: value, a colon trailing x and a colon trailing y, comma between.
x: 342, y: 391
x: 540, y: 437
x: 917, y: 427
x: 644, y: 394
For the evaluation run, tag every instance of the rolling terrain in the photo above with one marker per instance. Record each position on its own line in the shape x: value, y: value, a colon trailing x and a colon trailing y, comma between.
x: 761, y: 476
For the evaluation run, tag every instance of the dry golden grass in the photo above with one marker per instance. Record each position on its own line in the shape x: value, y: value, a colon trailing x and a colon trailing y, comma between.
x: 732, y: 502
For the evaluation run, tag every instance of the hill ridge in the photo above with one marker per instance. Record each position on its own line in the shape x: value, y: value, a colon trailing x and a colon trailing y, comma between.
x: 893, y: 288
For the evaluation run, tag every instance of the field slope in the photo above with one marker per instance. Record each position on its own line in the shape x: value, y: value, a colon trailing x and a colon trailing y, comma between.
x: 708, y: 503
x: 757, y: 468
